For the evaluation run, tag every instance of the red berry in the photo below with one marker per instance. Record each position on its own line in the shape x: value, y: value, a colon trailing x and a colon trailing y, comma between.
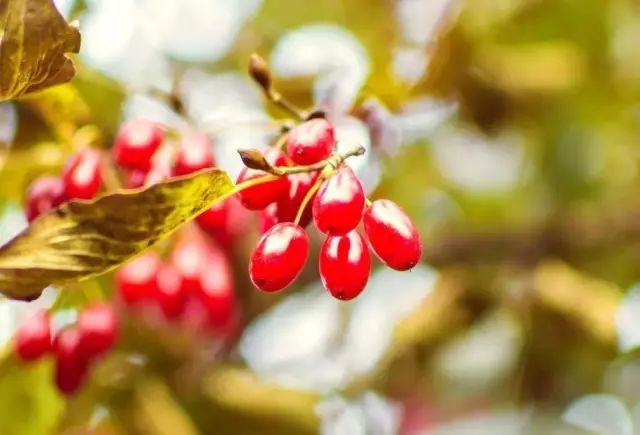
x: 82, y: 175
x: 71, y: 365
x: 392, y: 235
x: 195, y: 153
x: 345, y: 263
x: 268, y: 218
x: 338, y: 206
x: 44, y: 194
x: 300, y: 184
x: 216, y: 285
x: 98, y: 327
x: 136, y: 280
x: 261, y: 195
x: 169, y: 294
x: 279, y: 257
x: 190, y: 257
x: 135, y: 179
x: 136, y: 142
x: 214, y: 218
x: 33, y: 338
x: 310, y: 141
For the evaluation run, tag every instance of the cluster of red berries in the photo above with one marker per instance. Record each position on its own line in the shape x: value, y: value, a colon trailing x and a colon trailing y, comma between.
x: 75, y: 348
x: 81, y: 179
x: 193, y: 288
x: 329, y: 193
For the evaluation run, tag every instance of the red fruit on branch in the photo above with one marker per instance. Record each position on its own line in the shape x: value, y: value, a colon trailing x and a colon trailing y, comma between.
x: 169, y: 295
x: 195, y: 153
x: 136, y: 142
x: 288, y: 206
x: 338, y: 205
x: 261, y: 195
x: 98, y: 326
x: 44, y: 194
x: 189, y: 257
x: 71, y: 365
x: 392, y: 235
x: 136, y: 280
x: 311, y: 141
x: 268, y: 218
x: 214, y: 218
x: 279, y: 257
x: 217, y: 289
x: 345, y: 264
x: 33, y: 338
x: 82, y: 175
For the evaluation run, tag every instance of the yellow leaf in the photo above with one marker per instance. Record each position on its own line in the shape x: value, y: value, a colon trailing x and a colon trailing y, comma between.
x: 34, y: 38
x: 82, y: 239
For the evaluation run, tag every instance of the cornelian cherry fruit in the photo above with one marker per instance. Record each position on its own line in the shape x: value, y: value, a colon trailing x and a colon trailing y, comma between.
x: 82, y: 175
x: 33, y: 338
x: 392, y: 235
x: 195, y: 153
x: 338, y: 205
x: 279, y: 257
x: 71, y: 365
x: 169, y: 294
x: 44, y: 194
x: 261, y: 195
x: 288, y: 206
x: 345, y: 264
x: 311, y: 141
x: 136, y: 142
x: 136, y: 280
x: 98, y: 329
x: 215, y: 217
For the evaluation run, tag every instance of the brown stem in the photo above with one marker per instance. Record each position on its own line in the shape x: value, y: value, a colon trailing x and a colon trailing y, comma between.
x: 334, y: 161
x: 286, y: 105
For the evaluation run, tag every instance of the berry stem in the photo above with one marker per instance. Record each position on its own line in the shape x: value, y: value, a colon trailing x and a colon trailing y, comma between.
x: 286, y: 105
x: 307, y: 198
x: 334, y: 161
x: 252, y: 182
x: 367, y: 201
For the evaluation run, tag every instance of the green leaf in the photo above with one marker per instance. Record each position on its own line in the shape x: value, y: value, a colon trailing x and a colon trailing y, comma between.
x: 34, y: 38
x: 82, y: 239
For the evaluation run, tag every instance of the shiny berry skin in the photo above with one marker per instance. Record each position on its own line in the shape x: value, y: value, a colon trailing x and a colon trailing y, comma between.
x: 345, y: 264
x: 392, y: 235
x: 338, y: 205
x: 82, y: 175
x: 261, y: 195
x: 300, y: 184
x: 98, y: 329
x: 310, y: 141
x: 268, y: 217
x: 44, y: 194
x: 33, y: 338
x: 279, y: 257
x: 195, y: 153
x: 136, y: 280
x: 214, y: 218
x: 71, y: 365
x: 216, y: 289
x: 189, y: 256
x: 136, y: 142
x: 169, y: 294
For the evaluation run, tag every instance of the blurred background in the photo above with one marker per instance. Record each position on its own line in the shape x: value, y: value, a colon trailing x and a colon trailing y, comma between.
x: 509, y: 130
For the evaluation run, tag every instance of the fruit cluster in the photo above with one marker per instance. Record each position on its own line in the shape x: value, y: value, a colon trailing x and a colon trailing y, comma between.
x: 75, y: 347
x: 81, y: 179
x: 194, y: 288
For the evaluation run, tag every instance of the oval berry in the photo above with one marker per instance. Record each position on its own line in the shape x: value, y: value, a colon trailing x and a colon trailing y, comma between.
x: 98, y: 326
x: 82, y: 175
x: 71, y: 365
x: 44, y: 194
x: 136, y: 142
x: 261, y: 195
x: 345, y: 264
x: 169, y: 294
x: 310, y: 141
x: 392, y: 235
x: 136, y: 280
x: 215, y: 217
x: 279, y: 257
x: 190, y: 257
x: 288, y: 206
x: 195, y: 153
x: 33, y: 338
x: 338, y: 206
x: 268, y: 218
x: 216, y: 286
